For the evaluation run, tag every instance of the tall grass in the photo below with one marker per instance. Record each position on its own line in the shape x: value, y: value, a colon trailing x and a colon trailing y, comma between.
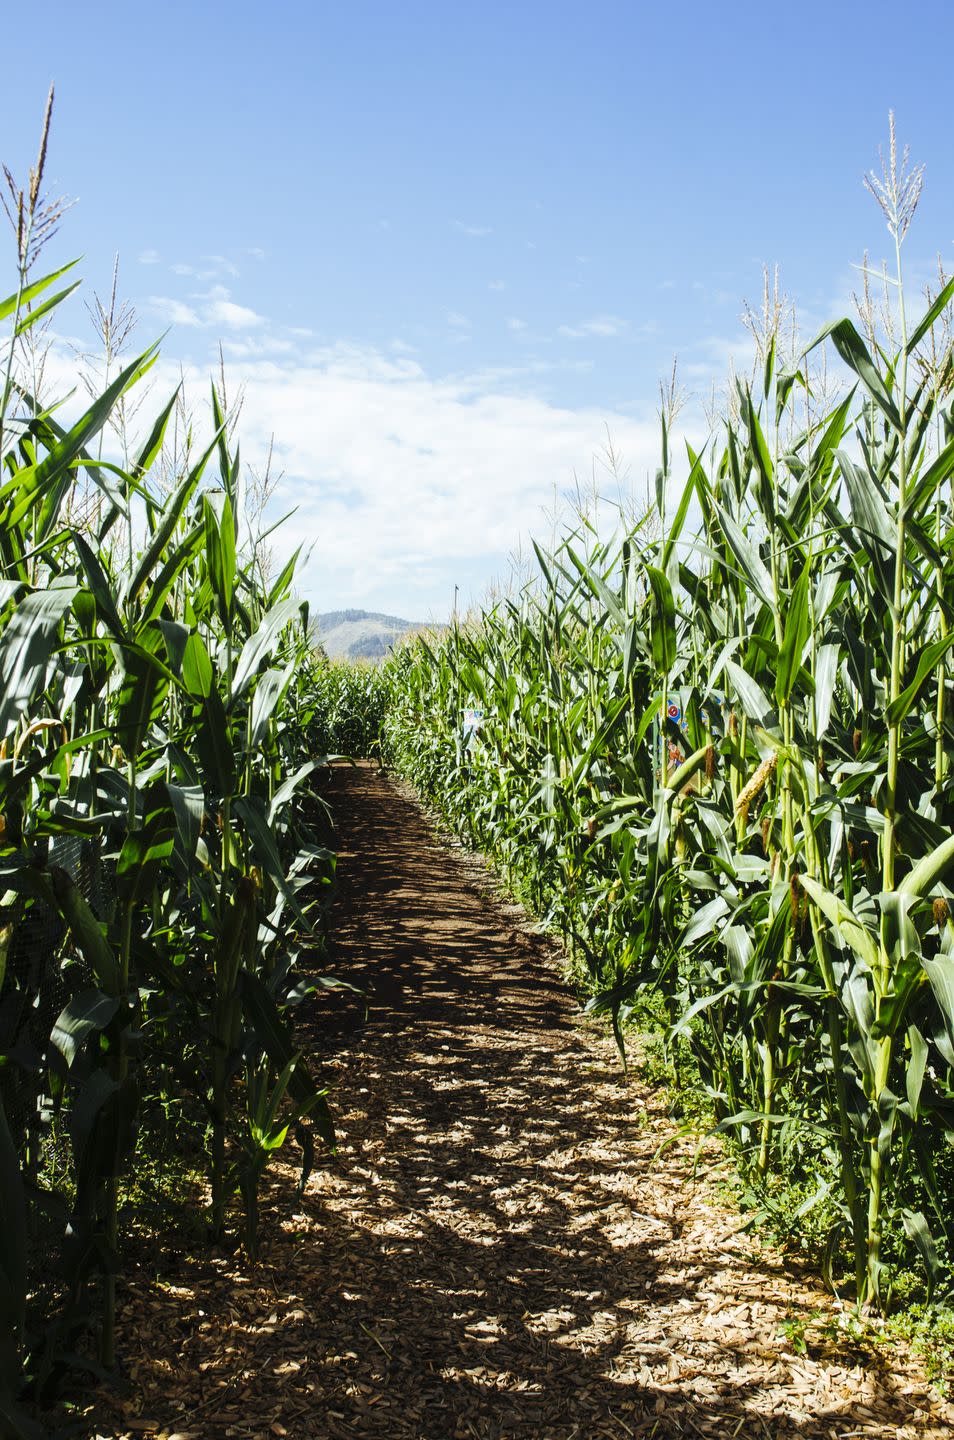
x: 771, y: 872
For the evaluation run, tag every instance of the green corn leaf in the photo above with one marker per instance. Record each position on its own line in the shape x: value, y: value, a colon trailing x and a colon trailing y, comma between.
x: 171, y: 515
x: 752, y: 697
x: 291, y: 783
x: 915, y: 1068
x: 88, y: 934
x: 84, y: 1015
x: 260, y: 645
x: 269, y: 692
x: 854, y: 353
x: 145, y: 848
x: 153, y: 443
x: 28, y: 321
x: 760, y: 450
x: 277, y: 591
x: 142, y: 689
x: 27, y: 647
x: 750, y: 562
x: 197, y: 673
x: 214, y: 744
x: 795, y: 637
x: 843, y: 919
x: 220, y: 552
x: 663, y: 624
x: 250, y: 810
x: 188, y: 806
x: 599, y: 588
x: 67, y: 450
x: 930, y: 870
x: 934, y: 313
x: 99, y: 585
x: 927, y: 665
x: 918, y: 1230
x: 694, y: 485
x: 31, y: 292
x: 272, y: 1034
x: 221, y: 439
x: 180, y: 558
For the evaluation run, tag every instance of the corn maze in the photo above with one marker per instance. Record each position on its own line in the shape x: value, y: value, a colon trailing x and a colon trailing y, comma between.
x: 773, y: 883
x: 710, y: 749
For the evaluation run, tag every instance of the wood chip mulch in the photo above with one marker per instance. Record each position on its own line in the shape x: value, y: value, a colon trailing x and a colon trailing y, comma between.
x: 497, y: 1252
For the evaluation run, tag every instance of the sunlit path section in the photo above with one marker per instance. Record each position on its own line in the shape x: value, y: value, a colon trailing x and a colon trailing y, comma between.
x: 497, y: 1253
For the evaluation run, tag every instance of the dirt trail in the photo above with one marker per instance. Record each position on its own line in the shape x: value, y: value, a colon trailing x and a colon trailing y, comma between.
x: 494, y: 1254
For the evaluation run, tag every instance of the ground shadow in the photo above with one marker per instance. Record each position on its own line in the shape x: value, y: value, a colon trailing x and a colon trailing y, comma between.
x: 497, y: 1251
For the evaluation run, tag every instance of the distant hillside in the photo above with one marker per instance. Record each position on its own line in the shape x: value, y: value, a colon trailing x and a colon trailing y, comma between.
x: 361, y: 634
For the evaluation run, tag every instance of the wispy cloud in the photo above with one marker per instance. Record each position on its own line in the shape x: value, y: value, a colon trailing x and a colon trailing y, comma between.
x: 254, y: 348
x: 149, y: 257
x: 174, y: 312
x: 210, y: 267
x: 602, y: 326
x: 457, y: 321
x: 223, y: 265
x: 477, y: 231
x: 211, y: 309
x: 497, y: 285
x: 515, y: 324
x: 232, y: 316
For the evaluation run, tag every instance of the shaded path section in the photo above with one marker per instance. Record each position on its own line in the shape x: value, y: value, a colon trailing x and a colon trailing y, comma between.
x: 496, y: 1253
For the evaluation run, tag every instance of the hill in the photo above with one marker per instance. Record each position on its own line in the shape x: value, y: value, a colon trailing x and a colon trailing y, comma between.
x: 361, y: 634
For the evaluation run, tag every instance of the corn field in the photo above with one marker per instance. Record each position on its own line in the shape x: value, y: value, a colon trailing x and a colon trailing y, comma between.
x: 163, y: 866
x: 714, y: 751
x: 349, y: 701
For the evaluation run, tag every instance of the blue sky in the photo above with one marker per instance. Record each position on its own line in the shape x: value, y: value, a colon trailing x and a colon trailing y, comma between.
x: 446, y: 245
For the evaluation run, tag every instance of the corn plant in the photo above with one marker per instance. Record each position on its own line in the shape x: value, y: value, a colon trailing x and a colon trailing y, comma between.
x: 714, y: 754
x: 151, y: 703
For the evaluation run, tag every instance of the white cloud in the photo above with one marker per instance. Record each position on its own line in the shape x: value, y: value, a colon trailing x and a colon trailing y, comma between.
x: 457, y: 321
x: 232, y: 316
x: 602, y: 326
x: 406, y: 483
x: 497, y: 285
x: 180, y: 268
x: 174, y: 312
x: 477, y: 231
x: 223, y: 265
x: 247, y: 349
x: 514, y: 324
x: 149, y: 257
x: 215, y: 309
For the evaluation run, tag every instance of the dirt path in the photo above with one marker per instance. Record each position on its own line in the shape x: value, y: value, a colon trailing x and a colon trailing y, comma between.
x: 495, y: 1254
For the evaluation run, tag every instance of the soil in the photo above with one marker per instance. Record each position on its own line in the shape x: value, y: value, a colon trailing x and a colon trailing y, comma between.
x: 500, y: 1250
